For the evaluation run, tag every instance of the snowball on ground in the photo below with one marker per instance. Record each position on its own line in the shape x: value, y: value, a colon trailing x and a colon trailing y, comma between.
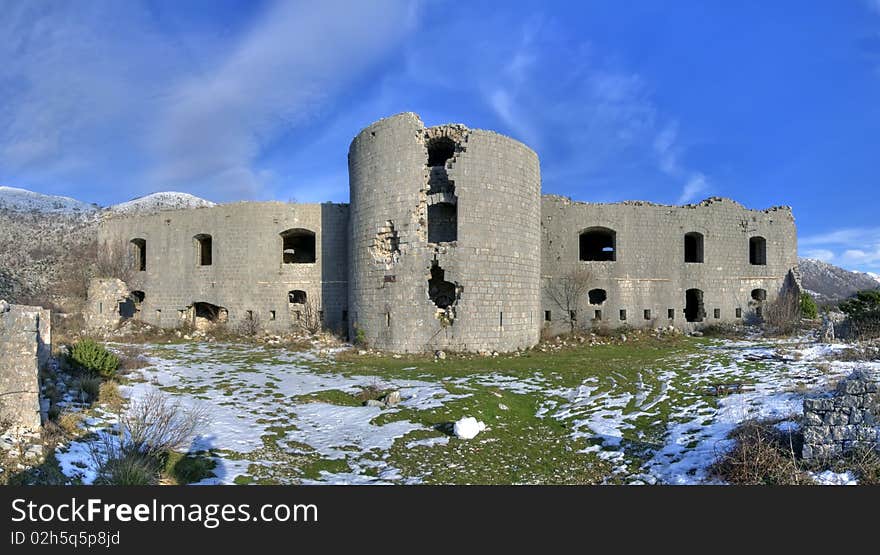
x: 468, y: 427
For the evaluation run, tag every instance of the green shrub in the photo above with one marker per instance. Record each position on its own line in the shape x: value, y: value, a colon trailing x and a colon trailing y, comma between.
x: 863, y: 312
x: 92, y: 357
x: 809, y: 309
x: 128, y: 469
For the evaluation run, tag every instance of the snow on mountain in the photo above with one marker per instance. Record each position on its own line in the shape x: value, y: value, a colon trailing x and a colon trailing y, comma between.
x: 168, y: 200
x: 875, y: 276
x: 827, y: 282
x: 22, y: 200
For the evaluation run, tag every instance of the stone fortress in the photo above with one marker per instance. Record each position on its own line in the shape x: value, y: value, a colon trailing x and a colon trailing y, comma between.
x: 448, y: 243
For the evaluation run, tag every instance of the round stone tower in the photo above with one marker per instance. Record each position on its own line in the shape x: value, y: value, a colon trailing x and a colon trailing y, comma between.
x: 445, y: 238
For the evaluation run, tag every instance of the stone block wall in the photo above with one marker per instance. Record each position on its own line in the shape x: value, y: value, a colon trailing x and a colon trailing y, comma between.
x: 108, y: 303
x: 647, y: 282
x: 488, y: 253
x: 247, y: 272
x: 835, y: 425
x: 25, y: 347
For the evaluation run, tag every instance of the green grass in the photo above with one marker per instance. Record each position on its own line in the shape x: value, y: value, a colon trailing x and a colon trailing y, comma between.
x: 518, y: 446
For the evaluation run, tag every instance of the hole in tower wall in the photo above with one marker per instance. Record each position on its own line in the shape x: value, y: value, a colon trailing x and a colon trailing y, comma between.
x: 442, y: 222
x: 441, y: 292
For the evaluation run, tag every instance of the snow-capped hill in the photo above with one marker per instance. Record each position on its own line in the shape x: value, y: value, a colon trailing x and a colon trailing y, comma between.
x: 168, y: 200
x: 875, y: 276
x: 22, y: 200
x: 829, y: 283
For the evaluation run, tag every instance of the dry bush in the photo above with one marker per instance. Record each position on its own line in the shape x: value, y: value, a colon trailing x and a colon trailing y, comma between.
x: 761, y: 455
x: 114, y: 259
x: 87, y: 388
x: 151, y: 428
x: 156, y: 424
x: 249, y: 326
x: 109, y: 395
x: 69, y: 422
x: 783, y: 314
x: 310, y: 318
x: 864, y: 463
x: 567, y: 291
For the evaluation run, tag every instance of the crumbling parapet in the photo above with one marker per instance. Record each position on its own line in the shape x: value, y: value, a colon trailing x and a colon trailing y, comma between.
x: 848, y: 420
x: 25, y: 348
x: 108, y: 303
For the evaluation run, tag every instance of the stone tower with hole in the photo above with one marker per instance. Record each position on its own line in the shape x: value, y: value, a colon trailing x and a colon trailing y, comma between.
x: 445, y: 238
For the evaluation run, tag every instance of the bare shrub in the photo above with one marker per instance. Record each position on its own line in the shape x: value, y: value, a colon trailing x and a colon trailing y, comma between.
x: 783, y: 314
x: 762, y: 454
x: 114, y: 259
x: 309, y: 319
x: 249, y: 326
x: 567, y: 291
x: 156, y: 424
x: 151, y: 428
x: 69, y: 422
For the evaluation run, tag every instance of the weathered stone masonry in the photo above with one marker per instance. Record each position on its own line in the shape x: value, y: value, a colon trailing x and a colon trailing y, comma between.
x: 25, y: 336
x: 448, y: 244
x: 848, y: 420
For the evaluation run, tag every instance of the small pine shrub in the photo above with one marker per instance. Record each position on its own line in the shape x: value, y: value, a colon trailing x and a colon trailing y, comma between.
x: 92, y: 357
x: 809, y: 310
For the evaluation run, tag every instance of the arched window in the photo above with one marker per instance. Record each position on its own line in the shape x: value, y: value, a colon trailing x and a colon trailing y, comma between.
x: 597, y: 296
x: 758, y: 251
x: 693, y: 247
x: 139, y: 254
x: 298, y: 246
x: 598, y: 244
x: 297, y: 296
x: 759, y: 295
x: 204, y: 247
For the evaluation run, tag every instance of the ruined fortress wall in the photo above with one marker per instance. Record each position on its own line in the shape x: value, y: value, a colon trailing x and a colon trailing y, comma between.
x: 25, y: 347
x: 247, y: 272
x: 491, y: 268
x: 650, y: 272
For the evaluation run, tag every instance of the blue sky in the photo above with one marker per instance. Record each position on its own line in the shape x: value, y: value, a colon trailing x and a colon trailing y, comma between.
x: 765, y: 102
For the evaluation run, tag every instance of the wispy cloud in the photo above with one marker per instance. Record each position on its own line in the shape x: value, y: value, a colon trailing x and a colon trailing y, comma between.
x: 103, y: 92
x: 851, y: 247
x: 75, y: 82
x: 281, y: 73
x: 592, y: 120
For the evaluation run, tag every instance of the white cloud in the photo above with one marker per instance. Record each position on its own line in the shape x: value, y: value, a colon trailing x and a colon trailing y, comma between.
x: 281, y: 73
x: 591, y: 119
x: 75, y: 82
x: 695, y: 186
x: 824, y: 255
x: 858, y: 247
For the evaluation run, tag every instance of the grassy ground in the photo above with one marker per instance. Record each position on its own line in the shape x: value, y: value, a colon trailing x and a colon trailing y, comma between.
x: 576, y: 414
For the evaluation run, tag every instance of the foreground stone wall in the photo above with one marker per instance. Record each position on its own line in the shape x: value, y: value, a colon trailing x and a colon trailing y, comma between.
x: 247, y: 272
x: 836, y: 425
x: 25, y: 347
x: 646, y: 284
